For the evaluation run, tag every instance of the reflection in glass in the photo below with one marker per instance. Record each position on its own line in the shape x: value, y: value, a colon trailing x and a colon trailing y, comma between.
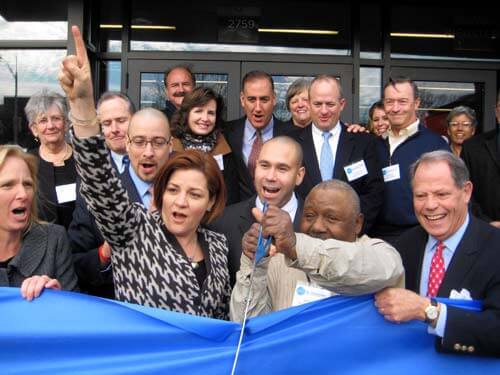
x: 437, y: 31
x: 370, y: 90
x: 281, y: 84
x: 33, y: 30
x: 36, y: 70
x: 437, y: 99
x: 205, y: 47
x: 370, y: 33
x: 153, y: 88
x: 112, y: 72
x: 258, y: 26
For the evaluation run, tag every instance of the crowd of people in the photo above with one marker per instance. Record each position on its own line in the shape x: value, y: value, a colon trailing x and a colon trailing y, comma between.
x: 167, y: 209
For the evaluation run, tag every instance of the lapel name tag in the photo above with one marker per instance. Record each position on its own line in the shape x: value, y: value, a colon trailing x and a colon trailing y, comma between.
x: 66, y: 193
x: 305, y: 293
x: 356, y: 170
x: 391, y: 173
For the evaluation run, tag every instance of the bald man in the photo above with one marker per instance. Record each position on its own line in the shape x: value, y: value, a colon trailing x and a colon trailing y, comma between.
x: 147, y: 142
x: 329, y: 258
x: 278, y: 171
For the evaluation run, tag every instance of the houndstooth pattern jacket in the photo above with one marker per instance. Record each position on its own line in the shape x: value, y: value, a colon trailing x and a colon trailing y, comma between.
x: 147, y: 268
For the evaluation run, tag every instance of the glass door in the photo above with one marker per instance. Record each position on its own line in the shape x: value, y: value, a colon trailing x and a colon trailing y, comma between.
x: 146, y: 87
x: 285, y: 73
x: 442, y: 90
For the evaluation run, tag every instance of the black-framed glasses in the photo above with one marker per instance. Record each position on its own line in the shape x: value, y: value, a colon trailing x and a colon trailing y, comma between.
x: 156, y: 142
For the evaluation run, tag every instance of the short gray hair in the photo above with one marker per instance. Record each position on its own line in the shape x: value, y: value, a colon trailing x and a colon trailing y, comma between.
x: 297, y: 86
x: 40, y: 102
x: 462, y: 110
x: 459, y: 171
x: 346, y: 188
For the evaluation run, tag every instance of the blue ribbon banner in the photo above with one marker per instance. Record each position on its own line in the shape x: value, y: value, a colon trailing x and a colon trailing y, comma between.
x: 71, y: 333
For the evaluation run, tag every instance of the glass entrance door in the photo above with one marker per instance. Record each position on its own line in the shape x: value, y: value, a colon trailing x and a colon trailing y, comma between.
x: 146, y: 87
x: 442, y: 90
x: 285, y: 74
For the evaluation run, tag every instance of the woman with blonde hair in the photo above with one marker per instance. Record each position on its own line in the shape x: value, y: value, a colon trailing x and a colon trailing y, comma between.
x: 33, y: 255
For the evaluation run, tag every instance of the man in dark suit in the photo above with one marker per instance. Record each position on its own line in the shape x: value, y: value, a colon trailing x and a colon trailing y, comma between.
x: 278, y: 171
x: 482, y: 156
x: 257, y: 98
x: 91, y: 254
x: 345, y: 156
x: 451, y: 254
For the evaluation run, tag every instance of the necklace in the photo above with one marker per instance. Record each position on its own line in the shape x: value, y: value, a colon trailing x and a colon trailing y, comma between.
x: 52, y: 158
x: 193, y: 263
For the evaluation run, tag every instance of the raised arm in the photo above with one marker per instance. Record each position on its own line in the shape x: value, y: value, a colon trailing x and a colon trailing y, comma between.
x: 76, y: 80
x: 103, y: 191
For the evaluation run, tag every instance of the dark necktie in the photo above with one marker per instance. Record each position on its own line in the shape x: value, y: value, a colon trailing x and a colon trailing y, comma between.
x: 254, y: 153
x: 125, y: 163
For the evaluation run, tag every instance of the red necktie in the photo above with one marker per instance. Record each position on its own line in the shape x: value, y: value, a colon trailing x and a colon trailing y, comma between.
x: 254, y: 153
x: 436, y: 273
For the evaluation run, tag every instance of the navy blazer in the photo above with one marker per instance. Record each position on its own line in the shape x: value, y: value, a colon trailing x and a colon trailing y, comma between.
x: 234, y: 132
x: 235, y: 221
x: 85, y: 238
x: 482, y: 157
x: 352, y: 147
x: 475, y: 266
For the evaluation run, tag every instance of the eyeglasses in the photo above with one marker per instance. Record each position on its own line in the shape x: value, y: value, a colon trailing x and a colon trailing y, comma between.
x: 465, y: 124
x: 44, y: 120
x: 156, y: 142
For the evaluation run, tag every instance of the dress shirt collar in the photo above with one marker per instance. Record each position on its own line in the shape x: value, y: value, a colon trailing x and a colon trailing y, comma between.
x: 334, y: 132
x: 290, y: 206
x: 118, y: 160
x: 451, y: 242
x: 141, y: 186
x: 266, y: 132
x: 405, y: 132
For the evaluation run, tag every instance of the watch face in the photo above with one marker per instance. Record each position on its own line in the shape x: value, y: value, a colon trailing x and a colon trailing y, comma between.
x: 431, y: 312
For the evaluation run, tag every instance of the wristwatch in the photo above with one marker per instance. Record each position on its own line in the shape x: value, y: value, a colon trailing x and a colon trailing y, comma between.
x: 432, y: 312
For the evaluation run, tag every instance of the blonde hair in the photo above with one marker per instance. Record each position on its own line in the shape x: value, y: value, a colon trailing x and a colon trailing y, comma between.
x: 14, y: 151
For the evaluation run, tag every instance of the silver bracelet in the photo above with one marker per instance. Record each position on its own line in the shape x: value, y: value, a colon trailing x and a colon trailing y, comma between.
x: 84, y: 123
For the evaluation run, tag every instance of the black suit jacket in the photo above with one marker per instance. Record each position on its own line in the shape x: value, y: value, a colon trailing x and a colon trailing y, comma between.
x: 234, y: 132
x: 235, y: 221
x: 351, y: 148
x: 475, y: 266
x: 481, y: 155
x: 85, y: 238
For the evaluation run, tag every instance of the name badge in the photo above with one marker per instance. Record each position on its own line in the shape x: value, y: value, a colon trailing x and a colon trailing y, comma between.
x: 66, y: 193
x: 220, y: 161
x: 391, y: 173
x: 305, y: 293
x: 356, y: 170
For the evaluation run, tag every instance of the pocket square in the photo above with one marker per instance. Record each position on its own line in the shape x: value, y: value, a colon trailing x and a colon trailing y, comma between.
x: 464, y: 294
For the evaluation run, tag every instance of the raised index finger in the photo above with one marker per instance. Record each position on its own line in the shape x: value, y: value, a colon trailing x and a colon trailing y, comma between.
x: 81, y: 51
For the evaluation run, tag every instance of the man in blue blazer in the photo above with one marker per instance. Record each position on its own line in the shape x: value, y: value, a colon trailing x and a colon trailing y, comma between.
x: 350, y: 157
x: 257, y: 99
x: 451, y: 255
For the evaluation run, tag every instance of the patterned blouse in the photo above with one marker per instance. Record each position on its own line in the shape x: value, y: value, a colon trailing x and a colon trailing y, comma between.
x: 148, y: 269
